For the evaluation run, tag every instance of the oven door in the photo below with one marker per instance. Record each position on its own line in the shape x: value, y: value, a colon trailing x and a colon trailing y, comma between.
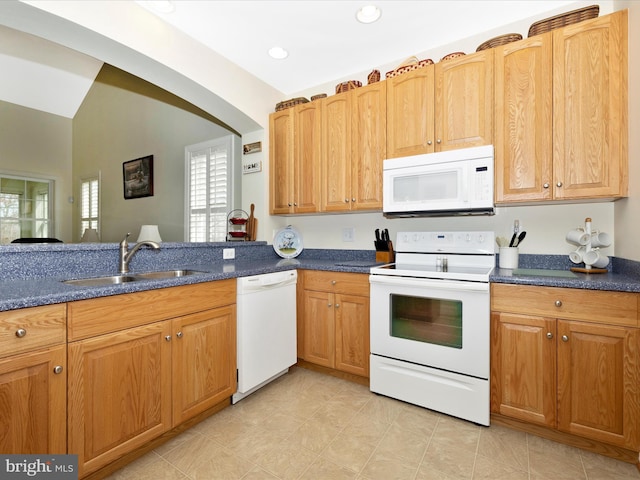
x: 442, y: 324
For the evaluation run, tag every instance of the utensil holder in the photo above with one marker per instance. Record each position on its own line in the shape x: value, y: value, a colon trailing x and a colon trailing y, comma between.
x: 508, y: 257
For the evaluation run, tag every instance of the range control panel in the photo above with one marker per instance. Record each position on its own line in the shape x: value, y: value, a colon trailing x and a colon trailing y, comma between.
x: 446, y: 242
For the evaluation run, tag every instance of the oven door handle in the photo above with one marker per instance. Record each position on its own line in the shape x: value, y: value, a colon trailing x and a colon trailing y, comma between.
x: 457, y: 285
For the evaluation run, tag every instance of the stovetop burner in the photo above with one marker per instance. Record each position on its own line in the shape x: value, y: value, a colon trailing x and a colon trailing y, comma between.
x: 442, y: 255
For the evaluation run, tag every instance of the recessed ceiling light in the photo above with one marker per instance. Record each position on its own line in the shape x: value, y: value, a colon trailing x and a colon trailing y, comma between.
x: 368, y: 14
x: 278, y: 53
x: 160, y: 6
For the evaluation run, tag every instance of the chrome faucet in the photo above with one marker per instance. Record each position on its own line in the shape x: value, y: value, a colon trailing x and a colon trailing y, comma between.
x: 126, y: 254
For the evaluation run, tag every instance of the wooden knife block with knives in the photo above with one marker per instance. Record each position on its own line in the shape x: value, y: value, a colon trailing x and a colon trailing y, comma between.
x: 384, y: 246
x: 252, y: 225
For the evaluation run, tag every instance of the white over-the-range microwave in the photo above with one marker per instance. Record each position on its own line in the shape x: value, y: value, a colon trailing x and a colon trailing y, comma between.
x: 455, y: 182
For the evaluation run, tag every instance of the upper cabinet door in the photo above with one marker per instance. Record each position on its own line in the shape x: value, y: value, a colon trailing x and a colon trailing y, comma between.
x: 523, y: 120
x: 410, y: 113
x: 306, y: 159
x: 281, y: 157
x: 368, y: 145
x: 464, y: 101
x: 590, y: 108
x: 336, y: 153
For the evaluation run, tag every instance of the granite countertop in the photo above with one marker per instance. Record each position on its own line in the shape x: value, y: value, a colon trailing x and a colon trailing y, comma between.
x: 30, y: 292
x: 40, y: 270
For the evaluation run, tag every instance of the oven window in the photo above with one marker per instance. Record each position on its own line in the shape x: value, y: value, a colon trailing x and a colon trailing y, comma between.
x: 429, y: 320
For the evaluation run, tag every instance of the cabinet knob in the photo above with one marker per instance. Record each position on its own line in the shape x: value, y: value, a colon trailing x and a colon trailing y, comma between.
x: 559, y: 184
x: 333, y: 282
x: 21, y: 332
x: 329, y: 305
x: 168, y: 338
x: 549, y: 335
x: 565, y: 338
x: 558, y: 303
x: 289, y: 204
x: 346, y: 200
x: 337, y: 305
x: 179, y: 334
x: 353, y: 200
x: 429, y: 142
x: 546, y: 185
x: 438, y: 141
x: 57, y: 369
x: 295, y: 204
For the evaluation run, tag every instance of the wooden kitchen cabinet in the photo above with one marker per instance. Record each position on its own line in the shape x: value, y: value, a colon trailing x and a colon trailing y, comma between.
x: 142, y: 363
x: 524, y: 120
x: 567, y: 359
x: 294, y: 152
x: 441, y: 107
x: 335, y: 320
x: 204, y: 361
x: 353, y: 148
x: 33, y: 380
x: 561, y: 114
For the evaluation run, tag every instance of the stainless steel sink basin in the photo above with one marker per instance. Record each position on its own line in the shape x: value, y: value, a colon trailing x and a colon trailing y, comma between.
x: 118, y: 279
x: 167, y: 274
x: 101, y: 281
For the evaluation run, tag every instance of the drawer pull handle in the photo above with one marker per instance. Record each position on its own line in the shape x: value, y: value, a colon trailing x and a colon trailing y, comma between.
x: 57, y: 369
x: 21, y: 332
x: 558, y: 303
x: 168, y: 338
x: 565, y: 338
x: 179, y: 334
x: 549, y: 335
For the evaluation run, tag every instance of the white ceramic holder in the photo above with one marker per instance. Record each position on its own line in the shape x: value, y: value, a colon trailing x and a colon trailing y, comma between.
x: 588, y: 251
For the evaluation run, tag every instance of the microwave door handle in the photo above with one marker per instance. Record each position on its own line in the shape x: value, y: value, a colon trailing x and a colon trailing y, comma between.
x: 464, y: 180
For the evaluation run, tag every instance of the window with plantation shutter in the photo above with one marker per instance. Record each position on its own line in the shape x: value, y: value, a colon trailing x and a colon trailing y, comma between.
x: 26, y: 208
x: 210, y: 189
x: 89, y: 204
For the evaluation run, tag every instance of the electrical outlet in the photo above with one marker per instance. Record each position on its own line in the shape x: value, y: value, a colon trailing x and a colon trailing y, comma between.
x: 348, y: 234
x: 228, y: 253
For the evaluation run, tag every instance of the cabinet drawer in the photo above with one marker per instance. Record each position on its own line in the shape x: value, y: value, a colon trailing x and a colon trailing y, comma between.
x: 30, y: 328
x: 96, y: 316
x: 619, y: 308
x: 339, y: 282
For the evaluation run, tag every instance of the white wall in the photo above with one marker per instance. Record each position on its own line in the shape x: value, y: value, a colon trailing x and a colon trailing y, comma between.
x: 157, y: 54
x: 627, y: 211
x: 38, y: 144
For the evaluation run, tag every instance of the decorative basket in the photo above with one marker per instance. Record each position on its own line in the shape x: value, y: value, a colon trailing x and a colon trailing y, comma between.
x: 574, y: 16
x: 319, y: 96
x: 290, y: 103
x: 346, y: 86
x: 373, y: 77
x: 451, y: 56
x: 501, y: 40
x: 410, y: 64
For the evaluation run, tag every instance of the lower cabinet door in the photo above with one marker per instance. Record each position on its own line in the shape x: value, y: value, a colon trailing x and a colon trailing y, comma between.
x: 204, y: 361
x: 352, y: 334
x: 119, y: 393
x: 598, y: 382
x: 523, y: 367
x: 319, y: 328
x: 33, y: 392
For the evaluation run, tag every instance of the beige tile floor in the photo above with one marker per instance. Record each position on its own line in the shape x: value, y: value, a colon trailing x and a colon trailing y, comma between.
x: 307, y: 425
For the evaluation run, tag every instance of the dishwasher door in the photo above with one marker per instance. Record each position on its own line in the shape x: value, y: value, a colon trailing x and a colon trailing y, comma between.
x: 267, y: 347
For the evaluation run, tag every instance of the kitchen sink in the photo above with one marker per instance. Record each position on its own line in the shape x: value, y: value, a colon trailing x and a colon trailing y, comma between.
x: 118, y: 279
x: 101, y: 281
x: 167, y: 274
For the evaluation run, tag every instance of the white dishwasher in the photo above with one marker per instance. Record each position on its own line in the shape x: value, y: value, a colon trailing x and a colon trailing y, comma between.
x: 267, y: 347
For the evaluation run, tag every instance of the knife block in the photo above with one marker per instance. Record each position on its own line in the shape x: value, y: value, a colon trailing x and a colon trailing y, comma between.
x: 384, y: 256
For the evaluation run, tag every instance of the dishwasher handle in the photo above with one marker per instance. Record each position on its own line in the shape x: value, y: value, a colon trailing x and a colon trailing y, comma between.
x: 267, y: 281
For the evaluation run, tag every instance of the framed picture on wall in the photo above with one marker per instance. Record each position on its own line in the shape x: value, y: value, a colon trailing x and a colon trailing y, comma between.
x: 138, y: 177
